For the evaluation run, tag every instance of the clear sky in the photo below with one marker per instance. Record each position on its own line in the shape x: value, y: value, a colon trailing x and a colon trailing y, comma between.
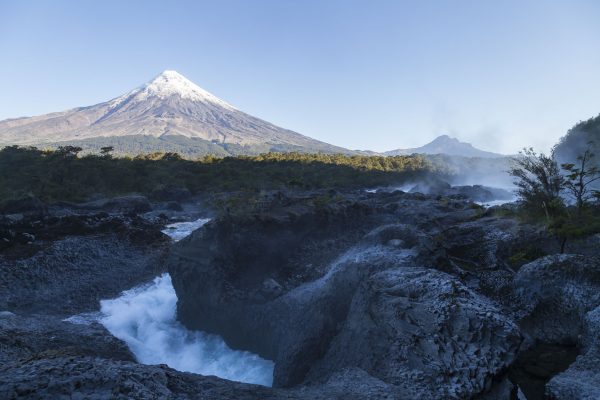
x: 372, y: 75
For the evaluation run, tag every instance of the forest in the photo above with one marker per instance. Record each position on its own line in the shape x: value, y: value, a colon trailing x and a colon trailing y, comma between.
x: 65, y: 175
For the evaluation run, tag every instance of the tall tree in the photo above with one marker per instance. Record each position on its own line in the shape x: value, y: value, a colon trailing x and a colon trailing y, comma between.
x: 580, y: 176
x: 538, y: 180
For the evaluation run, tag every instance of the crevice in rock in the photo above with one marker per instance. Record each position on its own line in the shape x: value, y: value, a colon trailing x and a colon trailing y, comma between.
x: 534, y: 367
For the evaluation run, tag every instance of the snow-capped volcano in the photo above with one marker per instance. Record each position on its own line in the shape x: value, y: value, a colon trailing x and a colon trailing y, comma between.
x: 170, y: 108
x: 172, y: 83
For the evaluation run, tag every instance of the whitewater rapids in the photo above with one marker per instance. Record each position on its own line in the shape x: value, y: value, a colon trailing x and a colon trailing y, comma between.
x: 145, y: 319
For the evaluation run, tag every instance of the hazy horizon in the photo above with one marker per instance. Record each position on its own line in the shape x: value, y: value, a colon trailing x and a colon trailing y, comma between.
x: 394, y: 75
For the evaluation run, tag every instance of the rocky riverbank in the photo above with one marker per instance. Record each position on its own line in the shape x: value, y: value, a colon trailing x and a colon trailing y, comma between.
x: 353, y: 295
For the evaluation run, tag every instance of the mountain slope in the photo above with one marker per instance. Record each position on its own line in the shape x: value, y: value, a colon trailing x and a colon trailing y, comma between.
x: 446, y: 145
x: 584, y: 135
x: 167, y: 107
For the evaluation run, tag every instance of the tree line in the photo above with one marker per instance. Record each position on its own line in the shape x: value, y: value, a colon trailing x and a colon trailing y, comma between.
x: 65, y: 174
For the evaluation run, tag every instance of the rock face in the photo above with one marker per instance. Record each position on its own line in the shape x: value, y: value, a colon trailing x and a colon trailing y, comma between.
x: 556, y: 293
x: 375, y: 303
x: 560, y: 303
x: 68, y: 263
x: 99, y: 378
x: 425, y: 333
x: 271, y: 250
x: 74, y: 273
x: 353, y: 295
x: 39, y: 336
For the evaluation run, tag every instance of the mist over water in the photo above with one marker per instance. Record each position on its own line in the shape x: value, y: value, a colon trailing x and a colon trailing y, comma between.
x: 145, y: 318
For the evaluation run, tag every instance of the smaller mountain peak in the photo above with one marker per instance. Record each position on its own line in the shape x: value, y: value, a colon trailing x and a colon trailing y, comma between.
x: 445, y: 138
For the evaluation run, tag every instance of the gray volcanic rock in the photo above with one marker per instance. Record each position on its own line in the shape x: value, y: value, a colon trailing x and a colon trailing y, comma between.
x: 344, y: 307
x: 582, y: 379
x: 169, y: 106
x: 353, y: 295
x: 237, y: 302
x: 41, y: 336
x: 555, y: 294
x: 559, y: 298
x: 424, y: 331
x: 98, y: 378
x: 71, y: 262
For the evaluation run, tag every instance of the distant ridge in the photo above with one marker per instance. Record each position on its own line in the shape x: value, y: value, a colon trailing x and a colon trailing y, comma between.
x: 169, y: 112
x: 445, y: 144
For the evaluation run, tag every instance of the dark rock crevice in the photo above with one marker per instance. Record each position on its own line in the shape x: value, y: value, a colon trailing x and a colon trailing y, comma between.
x: 535, y: 367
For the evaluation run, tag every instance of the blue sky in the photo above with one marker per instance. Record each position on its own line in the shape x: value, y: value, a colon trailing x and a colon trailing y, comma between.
x: 372, y: 75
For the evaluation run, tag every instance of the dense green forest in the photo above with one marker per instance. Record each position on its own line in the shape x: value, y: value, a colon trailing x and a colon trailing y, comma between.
x: 62, y: 174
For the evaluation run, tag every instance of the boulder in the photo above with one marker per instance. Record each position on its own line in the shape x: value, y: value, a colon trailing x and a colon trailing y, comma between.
x: 558, y: 301
x: 425, y: 332
x: 555, y: 293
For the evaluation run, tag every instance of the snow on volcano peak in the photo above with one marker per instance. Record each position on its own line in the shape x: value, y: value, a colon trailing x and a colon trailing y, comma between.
x: 171, y: 83
x: 168, y: 107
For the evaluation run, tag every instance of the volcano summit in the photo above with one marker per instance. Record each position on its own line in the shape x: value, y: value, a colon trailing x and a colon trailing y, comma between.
x: 169, y: 113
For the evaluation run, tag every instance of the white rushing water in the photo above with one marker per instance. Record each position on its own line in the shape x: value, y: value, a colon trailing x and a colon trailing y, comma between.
x: 145, y: 318
x: 493, y: 203
x: 179, y: 230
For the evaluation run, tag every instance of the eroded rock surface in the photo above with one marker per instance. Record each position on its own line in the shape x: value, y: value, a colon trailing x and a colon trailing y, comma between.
x: 376, y: 302
x: 559, y: 298
x: 353, y: 295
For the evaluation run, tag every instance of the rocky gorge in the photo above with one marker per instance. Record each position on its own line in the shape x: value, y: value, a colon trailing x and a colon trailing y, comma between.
x: 352, y: 295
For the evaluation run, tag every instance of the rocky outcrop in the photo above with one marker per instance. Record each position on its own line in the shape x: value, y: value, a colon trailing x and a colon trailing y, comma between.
x: 582, y: 379
x: 98, y: 378
x: 423, y: 332
x: 354, y: 295
x: 559, y: 302
x: 64, y: 263
x: 260, y: 306
x: 347, y: 288
x: 555, y: 293
x: 42, y: 336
